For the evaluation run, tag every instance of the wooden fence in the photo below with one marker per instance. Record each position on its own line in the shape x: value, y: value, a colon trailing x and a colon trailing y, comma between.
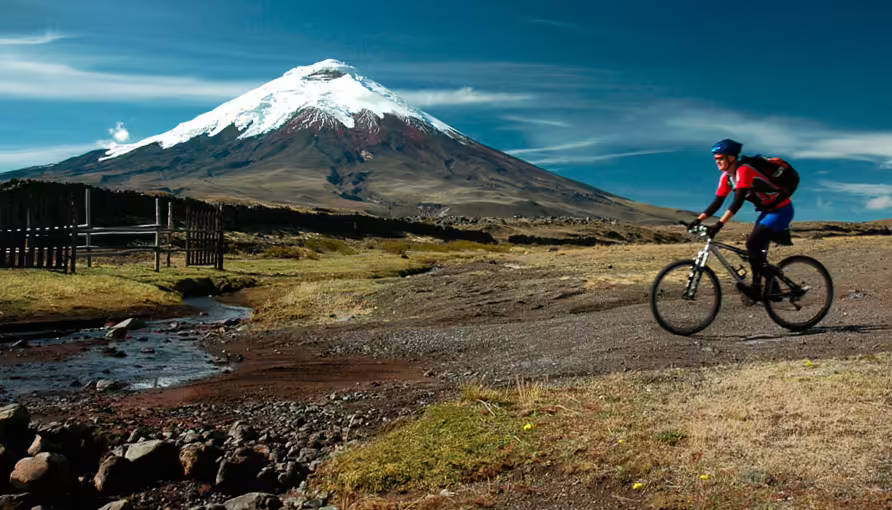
x: 57, y: 247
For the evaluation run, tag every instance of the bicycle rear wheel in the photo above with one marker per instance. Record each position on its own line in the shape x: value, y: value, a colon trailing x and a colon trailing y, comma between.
x: 801, y: 295
x: 682, y: 300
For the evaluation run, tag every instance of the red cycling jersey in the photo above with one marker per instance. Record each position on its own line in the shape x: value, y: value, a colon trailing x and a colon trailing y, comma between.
x: 762, y: 191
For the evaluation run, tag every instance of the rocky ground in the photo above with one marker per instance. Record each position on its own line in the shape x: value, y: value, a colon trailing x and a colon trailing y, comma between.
x: 298, y: 393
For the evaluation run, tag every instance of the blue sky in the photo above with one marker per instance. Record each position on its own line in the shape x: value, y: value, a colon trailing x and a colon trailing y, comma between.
x: 625, y: 96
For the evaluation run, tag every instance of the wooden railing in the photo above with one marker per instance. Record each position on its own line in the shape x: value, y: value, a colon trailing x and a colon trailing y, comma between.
x: 58, y: 247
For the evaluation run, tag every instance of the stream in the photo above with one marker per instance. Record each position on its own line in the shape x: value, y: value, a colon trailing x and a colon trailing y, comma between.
x: 163, y: 353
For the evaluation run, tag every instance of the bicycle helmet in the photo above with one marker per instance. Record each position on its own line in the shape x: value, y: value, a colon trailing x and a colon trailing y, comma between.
x: 727, y: 146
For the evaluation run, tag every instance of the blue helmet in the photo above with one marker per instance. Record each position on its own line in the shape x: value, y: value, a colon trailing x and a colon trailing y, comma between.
x: 727, y: 146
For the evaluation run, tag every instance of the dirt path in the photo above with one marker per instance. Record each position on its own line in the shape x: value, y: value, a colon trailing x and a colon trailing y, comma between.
x: 502, y: 318
x: 494, y: 322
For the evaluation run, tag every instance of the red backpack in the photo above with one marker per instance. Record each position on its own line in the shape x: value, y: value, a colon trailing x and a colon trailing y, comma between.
x: 778, y: 171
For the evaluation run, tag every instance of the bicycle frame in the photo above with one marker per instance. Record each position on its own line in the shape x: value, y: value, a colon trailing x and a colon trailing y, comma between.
x: 714, y: 248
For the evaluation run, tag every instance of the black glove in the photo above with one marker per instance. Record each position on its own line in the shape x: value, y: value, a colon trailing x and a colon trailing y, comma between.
x: 692, y: 224
x: 712, y: 230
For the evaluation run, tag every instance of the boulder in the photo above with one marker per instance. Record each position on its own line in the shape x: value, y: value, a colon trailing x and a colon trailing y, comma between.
x: 7, y: 461
x: 44, y: 473
x: 76, y: 441
x: 199, y: 461
x: 238, y: 472
x: 155, y: 460
x: 16, y: 501
x: 254, y: 501
x: 14, y: 420
x: 42, y: 443
x: 116, y: 475
x: 121, y: 504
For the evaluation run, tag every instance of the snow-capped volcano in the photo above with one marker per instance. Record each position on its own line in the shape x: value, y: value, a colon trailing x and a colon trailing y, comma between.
x: 331, y: 90
x: 325, y: 136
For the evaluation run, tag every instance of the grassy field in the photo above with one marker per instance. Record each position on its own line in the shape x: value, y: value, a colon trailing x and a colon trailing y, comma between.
x: 308, y: 280
x: 770, y: 435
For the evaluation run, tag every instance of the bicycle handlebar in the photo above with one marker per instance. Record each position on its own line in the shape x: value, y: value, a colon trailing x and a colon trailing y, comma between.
x: 698, y: 229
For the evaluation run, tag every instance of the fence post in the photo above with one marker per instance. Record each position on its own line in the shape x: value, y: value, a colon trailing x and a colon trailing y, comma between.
x: 157, y: 234
x: 188, y: 235
x: 169, y: 230
x: 73, y: 236
x: 219, y: 229
x: 88, y: 222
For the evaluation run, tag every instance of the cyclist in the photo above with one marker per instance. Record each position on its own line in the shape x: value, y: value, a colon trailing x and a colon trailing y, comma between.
x: 748, y: 184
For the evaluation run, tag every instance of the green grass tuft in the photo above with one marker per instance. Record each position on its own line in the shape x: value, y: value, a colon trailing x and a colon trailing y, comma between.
x: 449, y: 443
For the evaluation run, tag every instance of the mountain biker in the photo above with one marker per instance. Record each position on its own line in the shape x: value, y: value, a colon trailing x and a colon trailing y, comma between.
x: 748, y: 184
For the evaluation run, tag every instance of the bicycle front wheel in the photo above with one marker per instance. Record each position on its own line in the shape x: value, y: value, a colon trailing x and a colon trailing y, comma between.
x: 800, y: 295
x: 684, y: 298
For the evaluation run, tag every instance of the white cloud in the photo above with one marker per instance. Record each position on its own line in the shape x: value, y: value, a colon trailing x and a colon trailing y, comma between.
x: 883, y: 202
x: 40, y: 80
x: 566, y: 160
x: 16, y: 158
x: 879, y: 195
x: 554, y: 148
x: 535, y: 121
x: 462, y: 96
x: 862, y: 189
x: 30, y: 40
x: 119, y: 132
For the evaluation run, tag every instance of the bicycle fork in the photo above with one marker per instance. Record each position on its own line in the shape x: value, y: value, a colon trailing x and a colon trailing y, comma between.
x: 696, y: 272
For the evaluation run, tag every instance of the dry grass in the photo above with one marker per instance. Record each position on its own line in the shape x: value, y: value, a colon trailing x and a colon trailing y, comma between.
x: 768, y: 435
x: 737, y: 437
x: 32, y: 293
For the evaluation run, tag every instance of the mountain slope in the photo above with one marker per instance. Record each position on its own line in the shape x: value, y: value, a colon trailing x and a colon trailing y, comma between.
x: 325, y: 136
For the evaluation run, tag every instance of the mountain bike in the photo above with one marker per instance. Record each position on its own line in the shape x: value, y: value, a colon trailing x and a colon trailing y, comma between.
x: 685, y: 297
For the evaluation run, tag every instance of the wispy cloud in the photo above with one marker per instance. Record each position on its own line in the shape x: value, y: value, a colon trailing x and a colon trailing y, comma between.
x: 30, y: 40
x: 462, y: 96
x: 569, y: 160
x: 554, y: 148
x: 799, y: 138
x: 50, y: 81
x: 552, y: 22
x: 16, y: 158
x: 536, y: 121
x: 879, y: 195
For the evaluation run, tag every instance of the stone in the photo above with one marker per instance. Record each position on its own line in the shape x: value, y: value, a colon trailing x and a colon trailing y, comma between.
x: 115, y: 476
x: 42, y: 443
x: 241, y: 432
x: 76, y: 441
x: 199, y: 461
x: 254, y: 501
x: 107, y: 385
x: 136, y: 434
x: 238, y: 472
x: 16, y: 501
x: 131, y: 324
x: 155, y: 460
x: 14, y: 420
x: 116, y: 333
x: 121, y: 504
x: 44, y: 473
